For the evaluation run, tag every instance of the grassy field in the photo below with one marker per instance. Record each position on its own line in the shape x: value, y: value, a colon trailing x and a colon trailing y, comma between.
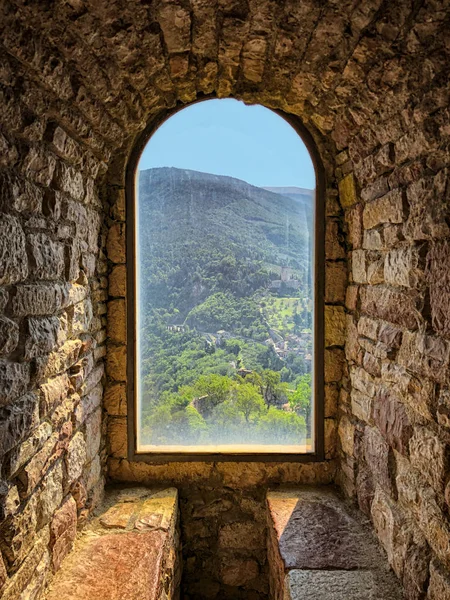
x: 279, y: 312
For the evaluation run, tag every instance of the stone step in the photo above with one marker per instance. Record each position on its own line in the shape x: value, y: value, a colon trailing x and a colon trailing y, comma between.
x: 128, y: 552
x: 321, y: 549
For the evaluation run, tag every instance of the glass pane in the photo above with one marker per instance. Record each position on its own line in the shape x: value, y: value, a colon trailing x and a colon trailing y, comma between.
x: 225, y: 283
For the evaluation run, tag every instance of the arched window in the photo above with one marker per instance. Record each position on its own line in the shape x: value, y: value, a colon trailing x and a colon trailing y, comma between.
x: 225, y: 239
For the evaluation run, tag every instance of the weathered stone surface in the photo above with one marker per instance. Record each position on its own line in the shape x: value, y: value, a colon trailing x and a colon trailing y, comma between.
x: 46, y: 257
x: 115, y: 399
x: 34, y: 299
x: 118, y: 281
x: 92, y: 573
x: 117, y: 321
x: 75, y: 458
x: 390, y: 305
x: 315, y: 531
x: 339, y: 585
x: 13, y: 256
x: 376, y: 454
x: 392, y: 420
x: 93, y: 434
x: 44, y: 335
x: 115, y: 244
x: 438, y: 278
x: 238, y: 572
x: 116, y: 363
x: 425, y: 355
x: 439, y: 588
x: 334, y: 326
x: 9, y: 336
x: 347, y: 191
x: 53, y: 393
x: 51, y: 495
x: 402, y: 267
x: 63, y: 530
x: 14, y: 380
x: 387, y: 209
x: 429, y: 455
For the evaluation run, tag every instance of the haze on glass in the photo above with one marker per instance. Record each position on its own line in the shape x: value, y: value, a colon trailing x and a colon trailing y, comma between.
x: 225, y: 295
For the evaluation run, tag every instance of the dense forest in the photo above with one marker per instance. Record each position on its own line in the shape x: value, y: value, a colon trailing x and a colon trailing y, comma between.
x: 225, y: 310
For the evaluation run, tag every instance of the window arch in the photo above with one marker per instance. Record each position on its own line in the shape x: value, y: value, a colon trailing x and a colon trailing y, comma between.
x: 225, y: 243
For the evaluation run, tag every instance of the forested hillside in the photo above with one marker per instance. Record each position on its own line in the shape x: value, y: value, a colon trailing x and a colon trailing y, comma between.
x: 215, y: 253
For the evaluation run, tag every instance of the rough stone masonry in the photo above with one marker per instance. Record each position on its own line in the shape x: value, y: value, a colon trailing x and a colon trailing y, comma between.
x: 79, y: 82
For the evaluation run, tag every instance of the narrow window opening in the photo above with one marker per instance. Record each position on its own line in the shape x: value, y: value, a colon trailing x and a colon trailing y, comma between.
x: 226, y: 309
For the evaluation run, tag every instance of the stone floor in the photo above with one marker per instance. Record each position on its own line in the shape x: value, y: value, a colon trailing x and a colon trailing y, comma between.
x: 320, y: 549
x: 129, y: 551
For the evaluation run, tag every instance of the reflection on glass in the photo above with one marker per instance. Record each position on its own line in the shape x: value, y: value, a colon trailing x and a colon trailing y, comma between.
x: 225, y: 294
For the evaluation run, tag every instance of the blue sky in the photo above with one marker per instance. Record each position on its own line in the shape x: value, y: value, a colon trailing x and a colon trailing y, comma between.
x: 226, y: 137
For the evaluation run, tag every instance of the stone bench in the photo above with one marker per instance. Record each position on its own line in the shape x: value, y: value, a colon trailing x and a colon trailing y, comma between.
x: 129, y: 551
x: 320, y: 549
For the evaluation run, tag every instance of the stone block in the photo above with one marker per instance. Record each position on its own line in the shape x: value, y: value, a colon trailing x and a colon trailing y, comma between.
x: 93, y: 434
x: 346, y: 433
x: 19, y: 195
x: 117, y: 321
x: 376, y: 454
x: 53, y: 392
x: 361, y: 406
x: 75, y: 459
x: 389, y: 527
x: 334, y: 241
x: 63, y: 531
x: 335, y: 282
x: 392, y: 420
x: 373, y: 240
x: 82, y: 317
x: 116, y: 363
x: 13, y: 256
x: 402, y: 267
x: 27, y: 449
x: 347, y: 191
x: 429, y: 455
x: 69, y: 180
x: 241, y: 535
x: 339, y: 585
x: 238, y: 573
x: 38, y: 552
x: 9, y: 336
x: 118, y: 437
x: 14, y: 380
x: 51, y: 495
x: 387, y: 209
x: 359, y: 266
x: 115, y: 244
x: 334, y: 365
x: 438, y: 279
x: 39, y: 299
x: 44, y: 335
x: 115, y: 399
x: 425, y: 355
x: 17, y: 420
x: 118, y: 281
x: 314, y: 530
x: 400, y: 308
x: 46, y: 256
x: 439, y: 587
x: 334, y: 326
x: 93, y: 571
x: 353, y: 218
x: 18, y: 533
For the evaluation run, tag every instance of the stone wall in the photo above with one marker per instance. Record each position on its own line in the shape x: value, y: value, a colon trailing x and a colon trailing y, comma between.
x: 80, y: 80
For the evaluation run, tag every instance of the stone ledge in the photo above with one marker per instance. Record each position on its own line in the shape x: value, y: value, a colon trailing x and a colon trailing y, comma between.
x: 320, y: 549
x: 132, y: 545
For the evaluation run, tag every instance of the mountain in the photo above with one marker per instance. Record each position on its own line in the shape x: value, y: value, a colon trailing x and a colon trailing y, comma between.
x: 203, y: 234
